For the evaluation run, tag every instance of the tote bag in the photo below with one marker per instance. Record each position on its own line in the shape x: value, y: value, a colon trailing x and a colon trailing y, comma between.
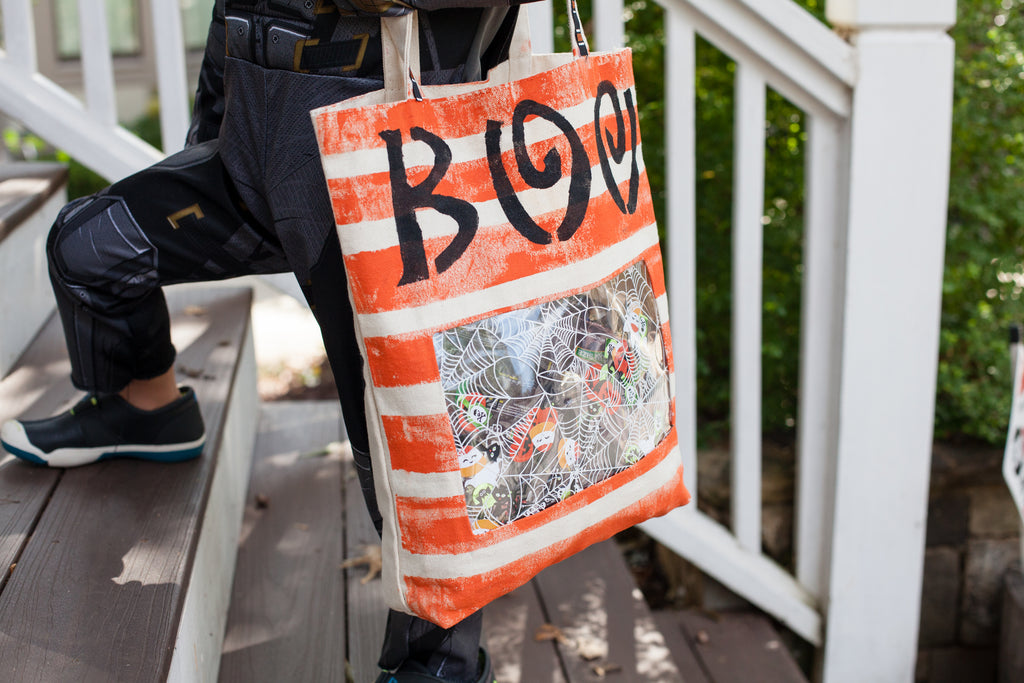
x: 505, y: 272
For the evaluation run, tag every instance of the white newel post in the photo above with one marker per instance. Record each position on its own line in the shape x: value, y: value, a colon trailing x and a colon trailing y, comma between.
x: 899, y: 179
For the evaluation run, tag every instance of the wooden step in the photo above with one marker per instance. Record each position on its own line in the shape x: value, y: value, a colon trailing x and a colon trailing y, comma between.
x: 729, y: 647
x: 296, y: 616
x: 287, y: 615
x: 31, y: 194
x: 121, y: 571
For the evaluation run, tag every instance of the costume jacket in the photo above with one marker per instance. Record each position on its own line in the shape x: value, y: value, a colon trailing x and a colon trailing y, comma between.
x: 459, y: 40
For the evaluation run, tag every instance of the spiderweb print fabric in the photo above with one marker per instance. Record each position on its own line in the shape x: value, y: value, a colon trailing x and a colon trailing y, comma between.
x: 549, y: 400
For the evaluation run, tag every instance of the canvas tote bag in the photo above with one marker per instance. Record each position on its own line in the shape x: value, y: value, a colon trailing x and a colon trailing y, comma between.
x: 504, y: 268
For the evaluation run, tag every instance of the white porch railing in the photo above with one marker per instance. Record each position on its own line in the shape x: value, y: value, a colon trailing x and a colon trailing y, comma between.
x: 878, y: 110
x: 879, y: 114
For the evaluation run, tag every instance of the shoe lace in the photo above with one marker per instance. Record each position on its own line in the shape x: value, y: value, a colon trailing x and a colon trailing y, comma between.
x: 89, y: 402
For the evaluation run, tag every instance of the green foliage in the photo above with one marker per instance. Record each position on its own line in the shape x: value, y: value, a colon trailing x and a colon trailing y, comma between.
x: 783, y: 230
x: 984, y: 251
x: 984, y: 276
x: 783, y: 222
x: 783, y: 217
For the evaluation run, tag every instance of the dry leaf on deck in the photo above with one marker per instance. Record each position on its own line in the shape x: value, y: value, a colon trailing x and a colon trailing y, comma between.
x: 602, y: 670
x: 371, y: 557
x: 549, y: 632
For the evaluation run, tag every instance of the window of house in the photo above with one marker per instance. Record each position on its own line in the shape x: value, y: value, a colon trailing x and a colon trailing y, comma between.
x: 195, y: 21
x: 122, y: 27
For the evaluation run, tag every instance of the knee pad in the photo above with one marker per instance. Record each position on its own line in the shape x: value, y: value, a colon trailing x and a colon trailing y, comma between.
x: 99, y: 254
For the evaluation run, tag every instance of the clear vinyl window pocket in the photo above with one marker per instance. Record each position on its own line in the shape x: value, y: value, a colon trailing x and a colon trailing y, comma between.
x: 548, y: 400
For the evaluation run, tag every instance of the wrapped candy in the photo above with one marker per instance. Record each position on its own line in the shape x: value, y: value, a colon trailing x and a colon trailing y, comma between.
x: 548, y: 400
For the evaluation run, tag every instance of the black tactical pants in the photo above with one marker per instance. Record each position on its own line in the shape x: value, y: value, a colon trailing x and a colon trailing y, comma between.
x: 252, y: 201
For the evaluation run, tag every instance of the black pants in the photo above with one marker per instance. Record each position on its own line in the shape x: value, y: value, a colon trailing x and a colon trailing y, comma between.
x: 254, y: 201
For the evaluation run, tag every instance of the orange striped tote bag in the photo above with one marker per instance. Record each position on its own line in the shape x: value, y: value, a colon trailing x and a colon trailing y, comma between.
x: 505, y: 272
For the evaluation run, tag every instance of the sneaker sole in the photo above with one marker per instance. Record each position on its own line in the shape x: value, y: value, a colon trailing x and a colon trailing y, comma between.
x: 17, y: 443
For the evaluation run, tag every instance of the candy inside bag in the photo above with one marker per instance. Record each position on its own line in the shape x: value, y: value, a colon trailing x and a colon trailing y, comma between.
x: 549, y: 400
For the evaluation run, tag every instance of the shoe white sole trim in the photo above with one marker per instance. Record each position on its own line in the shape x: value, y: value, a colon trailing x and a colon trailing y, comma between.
x: 16, y: 442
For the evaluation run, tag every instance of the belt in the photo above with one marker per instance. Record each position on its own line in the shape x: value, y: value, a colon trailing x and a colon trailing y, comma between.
x: 288, y: 45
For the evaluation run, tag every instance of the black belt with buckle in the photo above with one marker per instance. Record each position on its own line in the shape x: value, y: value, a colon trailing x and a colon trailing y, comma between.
x: 290, y: 45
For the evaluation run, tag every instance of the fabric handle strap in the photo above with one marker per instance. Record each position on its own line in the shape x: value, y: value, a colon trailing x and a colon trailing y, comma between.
x: 400, y: 45
x: 401, y: 53
x: 580, y: 48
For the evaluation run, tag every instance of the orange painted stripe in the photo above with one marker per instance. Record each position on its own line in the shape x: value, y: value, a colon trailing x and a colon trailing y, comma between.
x: 359, y: 198
x: 444, y: 516
x: 448, y: 601
x: 459, y: 115
x: 421, y: 443
x: 656, y: 275
x: 666, y: 339
x: 401, y: 360
x: 426, y: 527
x: 407, y: 359
x: 655, y: 269
x: 495, y: 256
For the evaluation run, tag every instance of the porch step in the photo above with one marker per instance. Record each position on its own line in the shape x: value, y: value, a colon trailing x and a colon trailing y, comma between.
x: 729, y: 646
x: 31, y: 194
x: 287, y: 616
x: 296, y: 616
x: 121, y: 571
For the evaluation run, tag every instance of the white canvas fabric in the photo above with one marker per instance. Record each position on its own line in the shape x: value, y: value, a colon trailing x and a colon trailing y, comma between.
x: 507, y: 281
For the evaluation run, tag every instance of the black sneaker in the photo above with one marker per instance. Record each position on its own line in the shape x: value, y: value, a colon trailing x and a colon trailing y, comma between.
x: 414, y: 672
x: 106, y: 426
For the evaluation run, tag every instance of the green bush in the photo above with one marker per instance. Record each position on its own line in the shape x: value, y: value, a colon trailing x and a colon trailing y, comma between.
x: 984, y: 275
x: 783, y: 211
x: 985, y: 246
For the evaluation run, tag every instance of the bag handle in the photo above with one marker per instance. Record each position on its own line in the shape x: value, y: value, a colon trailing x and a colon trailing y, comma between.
x: 400, y: 45
x: 580, y: 47
x: 401, y: 52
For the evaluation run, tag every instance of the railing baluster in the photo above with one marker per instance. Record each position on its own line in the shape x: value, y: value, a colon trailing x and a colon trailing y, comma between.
x: 19, y: 34
x: 800, y: 57
x: 821, y: 311
x: 172, y: 81
x: 680, y: 67
x: 748, y: 208
x: 609, y: 29
x: 541, y: 26
x: 97, y: 65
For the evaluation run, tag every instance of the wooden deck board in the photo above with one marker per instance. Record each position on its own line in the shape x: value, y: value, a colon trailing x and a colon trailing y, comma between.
x: 510, y: 626
x: 289, y: 554
x: 23, y: 494
x: 740, y: 647
x: 38, y: 386
x: 592, y: 598
x: 367, y: 614
x: 97, y: 591
x: 681, y: 646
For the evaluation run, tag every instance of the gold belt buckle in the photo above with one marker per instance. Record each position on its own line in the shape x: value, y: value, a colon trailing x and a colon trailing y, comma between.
x: 300, y: 45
